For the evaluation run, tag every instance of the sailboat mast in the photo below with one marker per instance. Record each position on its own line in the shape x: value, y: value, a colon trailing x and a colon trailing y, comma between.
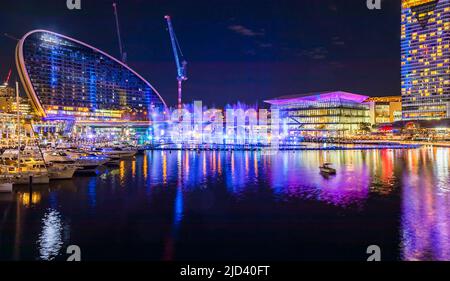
x: 18, y: 125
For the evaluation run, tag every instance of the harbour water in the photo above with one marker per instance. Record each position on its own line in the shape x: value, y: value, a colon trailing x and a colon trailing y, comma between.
x: 241, y: 205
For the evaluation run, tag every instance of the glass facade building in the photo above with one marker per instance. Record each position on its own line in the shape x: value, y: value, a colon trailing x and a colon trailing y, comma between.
x: 385, y: 109
x: 65, y: 78
x: 326, y: 114
x: 425, y: 59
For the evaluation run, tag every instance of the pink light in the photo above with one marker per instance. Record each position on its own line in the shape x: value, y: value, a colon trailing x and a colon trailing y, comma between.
x: 317, y: 97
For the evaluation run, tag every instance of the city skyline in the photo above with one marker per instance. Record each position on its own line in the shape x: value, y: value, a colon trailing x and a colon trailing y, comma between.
x: 308, y: 130
x: 267, y: 52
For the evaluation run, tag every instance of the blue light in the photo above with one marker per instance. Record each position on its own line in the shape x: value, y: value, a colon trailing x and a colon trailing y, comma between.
x: 53, y: 71
x: 92, y: 192
x: 93, y: 89
x: 178, y: 207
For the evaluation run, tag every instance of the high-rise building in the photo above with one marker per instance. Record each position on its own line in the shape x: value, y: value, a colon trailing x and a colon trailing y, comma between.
x: 65, y: 78
x: 425, y: 59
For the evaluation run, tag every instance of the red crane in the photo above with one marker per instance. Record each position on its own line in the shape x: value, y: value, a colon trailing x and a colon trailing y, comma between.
x: 7, y: 78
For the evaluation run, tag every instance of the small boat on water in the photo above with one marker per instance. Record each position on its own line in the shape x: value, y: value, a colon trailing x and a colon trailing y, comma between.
x: 327, y: 169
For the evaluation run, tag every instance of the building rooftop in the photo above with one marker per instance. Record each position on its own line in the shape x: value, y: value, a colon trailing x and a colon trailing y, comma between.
x: 317, y: 96
x: 385, y: 99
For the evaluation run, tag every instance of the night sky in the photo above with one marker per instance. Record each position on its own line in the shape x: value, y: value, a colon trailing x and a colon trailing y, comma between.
x: 242, y: 50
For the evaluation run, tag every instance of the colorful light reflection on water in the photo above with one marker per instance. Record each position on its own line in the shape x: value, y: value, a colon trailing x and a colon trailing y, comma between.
x: 426, y: 206
x: 179, y: 205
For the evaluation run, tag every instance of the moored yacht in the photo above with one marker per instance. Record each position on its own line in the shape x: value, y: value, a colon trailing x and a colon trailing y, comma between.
x: 61, y: 171
x: 87, y: 162
x: 59, y: 165
x: 58, y: 157
x: 36, y: 172
x: 25, y: 166
x: 118, y: 152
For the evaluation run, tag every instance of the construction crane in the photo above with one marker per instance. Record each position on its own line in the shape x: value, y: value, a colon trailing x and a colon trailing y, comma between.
x: 7, y: 78
x: 181, y: 65
x: 11, y: 37
x: 123, y: 54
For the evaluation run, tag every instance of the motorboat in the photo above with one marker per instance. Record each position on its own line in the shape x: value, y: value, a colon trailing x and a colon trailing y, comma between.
x: 26, y: 156
x: 327, y: 169
x: 58, y: 157
x: 60, y: 165
x: 61, y: 171
x: 21, y: 169
x: 32, y: 168
x: 87, y: 162
x: 121, y: 152
x: 56, y: 167
x: 36, y: 173
x: 24, y: 165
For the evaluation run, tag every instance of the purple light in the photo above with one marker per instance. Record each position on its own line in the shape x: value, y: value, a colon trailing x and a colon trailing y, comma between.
x: 321, y: 96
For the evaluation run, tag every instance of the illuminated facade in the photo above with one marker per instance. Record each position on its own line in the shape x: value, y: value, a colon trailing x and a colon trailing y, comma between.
x: 8, y: 102
x: 7, y: 95
x: 425, y: 59
x: 65, y: 78
x: 326, y: 114
x: 385, y: 109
